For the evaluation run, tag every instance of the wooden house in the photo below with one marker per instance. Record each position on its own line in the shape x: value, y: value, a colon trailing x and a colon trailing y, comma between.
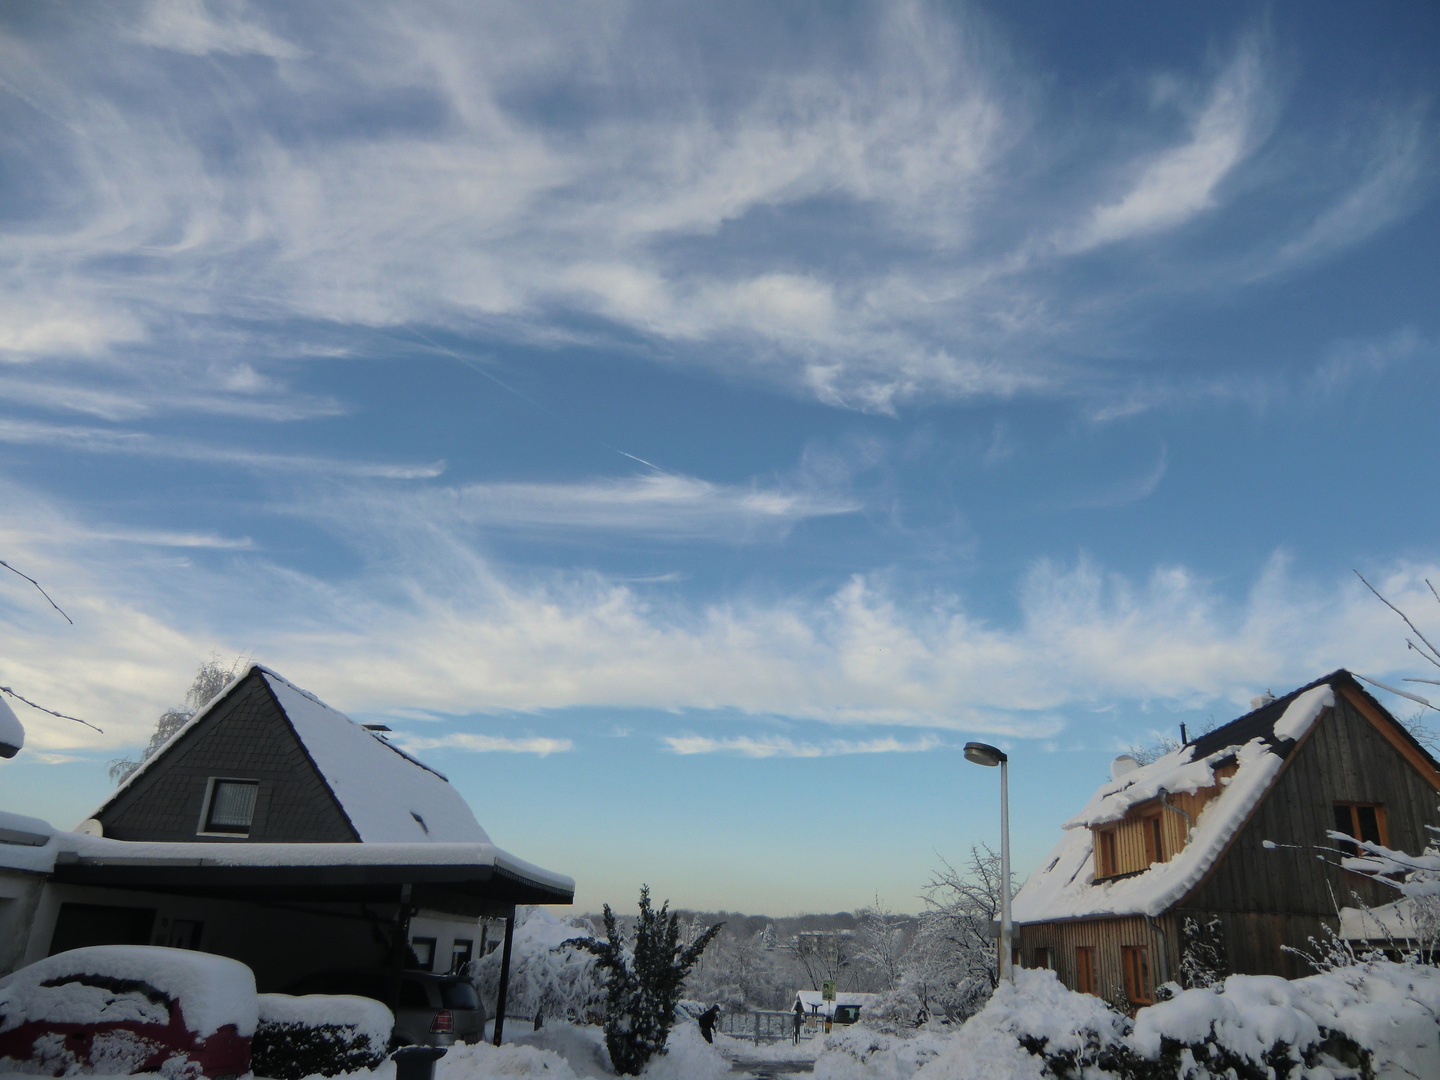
x: 1204, y: 863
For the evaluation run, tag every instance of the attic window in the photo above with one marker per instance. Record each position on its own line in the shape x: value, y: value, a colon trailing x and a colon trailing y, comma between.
x: 230, y: 806
x: 1363, y: 821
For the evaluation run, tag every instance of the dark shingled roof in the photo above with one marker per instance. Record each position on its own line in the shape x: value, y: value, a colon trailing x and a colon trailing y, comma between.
x: 1261, y: 722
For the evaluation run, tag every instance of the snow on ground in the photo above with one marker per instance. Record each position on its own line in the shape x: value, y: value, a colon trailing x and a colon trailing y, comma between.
x: 783, y: 1050
x: 561, y: 1051
x: 862, y: 1054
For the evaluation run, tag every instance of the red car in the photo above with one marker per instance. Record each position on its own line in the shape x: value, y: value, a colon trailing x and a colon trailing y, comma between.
x: 123, y: 1009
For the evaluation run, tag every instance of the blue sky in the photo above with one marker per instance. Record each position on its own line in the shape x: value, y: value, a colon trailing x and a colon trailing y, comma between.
x: 687, y: 428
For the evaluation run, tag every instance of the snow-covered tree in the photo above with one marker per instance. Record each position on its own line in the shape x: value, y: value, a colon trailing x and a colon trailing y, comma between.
x: 545, y: 977
x: 643, y: 981
x: 881, y: 947
x: 953, y: 966
x: 823, y: 955
x: 212, y: 677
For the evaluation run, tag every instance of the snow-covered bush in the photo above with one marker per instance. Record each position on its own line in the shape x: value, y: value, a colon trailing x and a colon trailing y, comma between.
x: 643, y: 981
x: 1372, y: 1020
x: 863, y: 1054
x: 318, y: 1033
x: 546, y: 979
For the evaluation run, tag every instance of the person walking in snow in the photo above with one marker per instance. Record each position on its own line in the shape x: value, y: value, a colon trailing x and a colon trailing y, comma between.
x: 708, y: 1019
x: 799, y: 1019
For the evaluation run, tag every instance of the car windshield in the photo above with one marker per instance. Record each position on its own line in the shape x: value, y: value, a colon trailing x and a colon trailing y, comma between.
x: 457, y: 994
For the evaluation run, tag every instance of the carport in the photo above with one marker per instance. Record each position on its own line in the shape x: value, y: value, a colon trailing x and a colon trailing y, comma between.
x: 279, y: 907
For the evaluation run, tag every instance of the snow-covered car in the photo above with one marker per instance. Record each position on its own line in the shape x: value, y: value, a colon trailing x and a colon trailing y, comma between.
x: 123, y: 1009
x: 435, y: 1010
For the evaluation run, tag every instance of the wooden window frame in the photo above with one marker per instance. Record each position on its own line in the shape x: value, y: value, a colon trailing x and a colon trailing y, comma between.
x: 1381, y: 824
x: 1040, y: 958
x: 1154, y: 833
x: 1107, y: 853
x: 1135, y: 964
x: 1085, y: 969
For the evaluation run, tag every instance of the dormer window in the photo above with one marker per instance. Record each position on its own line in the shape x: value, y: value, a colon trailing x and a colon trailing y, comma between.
x: 229, y: 807
x: 1106, y: 853
x: 1154, y: 839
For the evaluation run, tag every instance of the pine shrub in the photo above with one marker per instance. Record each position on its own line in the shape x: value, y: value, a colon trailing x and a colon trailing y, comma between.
x: 643, y: 981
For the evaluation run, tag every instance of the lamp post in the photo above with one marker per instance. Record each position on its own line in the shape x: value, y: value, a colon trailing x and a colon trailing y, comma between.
x: 985, y: 754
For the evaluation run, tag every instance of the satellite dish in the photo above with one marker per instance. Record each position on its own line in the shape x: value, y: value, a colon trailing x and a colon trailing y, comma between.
x: 90, y: 827
x: 1123, y: 764
x: 12, y: 735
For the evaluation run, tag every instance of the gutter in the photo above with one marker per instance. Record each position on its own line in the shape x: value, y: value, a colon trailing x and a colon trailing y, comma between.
x: 1189, y: 821
x: 1164, y: 949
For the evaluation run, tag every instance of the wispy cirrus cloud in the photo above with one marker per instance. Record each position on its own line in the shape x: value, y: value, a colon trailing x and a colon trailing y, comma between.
x: 454, y: 634
x: 399, y: 167
x: 143, y: 444
x: 657, y: 504
x: 484, y: 744
x: 778, y: 746
x: 1179, y: 183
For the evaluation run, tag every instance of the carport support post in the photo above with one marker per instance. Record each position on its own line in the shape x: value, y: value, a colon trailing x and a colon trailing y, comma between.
x: 398, y: 946
x: 504, y: 976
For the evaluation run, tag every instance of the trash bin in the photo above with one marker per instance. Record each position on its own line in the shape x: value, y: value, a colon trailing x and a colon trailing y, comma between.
x: 416, y: 1062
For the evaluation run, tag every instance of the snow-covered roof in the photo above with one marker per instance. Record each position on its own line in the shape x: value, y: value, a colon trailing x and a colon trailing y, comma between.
x: 814, y: 1001
x: 1065, y: 888
x: 388, y: 796
x: 12, y: 732
x: 19, y: 850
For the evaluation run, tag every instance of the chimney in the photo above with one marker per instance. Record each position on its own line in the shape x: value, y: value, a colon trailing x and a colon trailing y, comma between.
x: 1260, y: 702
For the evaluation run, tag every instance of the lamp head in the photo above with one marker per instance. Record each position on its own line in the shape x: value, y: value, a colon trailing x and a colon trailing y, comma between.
x: 984, y: 754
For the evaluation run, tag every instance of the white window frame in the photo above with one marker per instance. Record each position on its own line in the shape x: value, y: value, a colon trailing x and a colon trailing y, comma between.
x: 200, y: 829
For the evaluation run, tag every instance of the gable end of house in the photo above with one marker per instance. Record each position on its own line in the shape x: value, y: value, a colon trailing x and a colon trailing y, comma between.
x: 242, y: 739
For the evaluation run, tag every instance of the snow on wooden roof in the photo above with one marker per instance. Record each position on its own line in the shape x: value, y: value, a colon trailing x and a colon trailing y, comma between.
x: 1065, y: 887
x: 389, y: 796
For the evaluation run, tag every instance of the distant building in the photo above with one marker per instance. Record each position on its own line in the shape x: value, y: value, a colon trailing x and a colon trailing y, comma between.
x: 1203, y: 863
x: 845, y: 1009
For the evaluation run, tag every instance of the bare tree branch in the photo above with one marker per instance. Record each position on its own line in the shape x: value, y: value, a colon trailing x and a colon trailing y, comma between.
x: 1434, y: 652
x: 45, y: 594
x: 52, y: 712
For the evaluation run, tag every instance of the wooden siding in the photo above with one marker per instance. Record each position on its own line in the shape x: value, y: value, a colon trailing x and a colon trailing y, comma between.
x: 1130, y: 838
x: 1266, y: 899
x: 1108, y: 937
x: 244, y: 736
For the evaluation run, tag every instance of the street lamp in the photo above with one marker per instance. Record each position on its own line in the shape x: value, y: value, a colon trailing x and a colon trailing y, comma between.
x: 985, y: 754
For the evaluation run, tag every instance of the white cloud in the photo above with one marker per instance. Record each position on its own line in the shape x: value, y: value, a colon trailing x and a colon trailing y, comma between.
x: 484, y: 744
x: 454, y: 635
x: 778, y: 746
x: 654, y: 504
x: 142, y: 444
x: 188, y: 26
x: 1176, y: 185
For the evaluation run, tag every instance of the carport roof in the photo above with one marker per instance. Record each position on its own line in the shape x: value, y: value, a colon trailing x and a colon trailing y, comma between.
x: 462, y: 878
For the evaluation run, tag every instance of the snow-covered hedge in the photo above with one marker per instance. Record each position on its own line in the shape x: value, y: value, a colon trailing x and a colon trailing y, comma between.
x: 327, y: 1034
x: 1376, y: 1020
